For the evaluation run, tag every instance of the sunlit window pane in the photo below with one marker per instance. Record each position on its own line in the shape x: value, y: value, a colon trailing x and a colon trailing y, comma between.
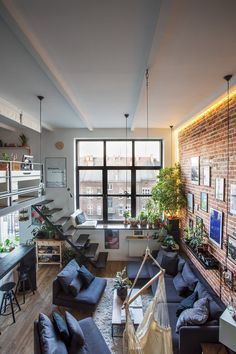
x: 117, y: 181
x: 90, y: 182
x: 92, y: 206
x: 140, y: 204
x: 145, y: 180
x: 90, y: 153
x: 147, y: 153
x: 119, y: 153
x: 116, y: 207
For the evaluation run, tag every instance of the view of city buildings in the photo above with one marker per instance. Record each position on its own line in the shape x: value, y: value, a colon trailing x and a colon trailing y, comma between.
x: 118, y: 173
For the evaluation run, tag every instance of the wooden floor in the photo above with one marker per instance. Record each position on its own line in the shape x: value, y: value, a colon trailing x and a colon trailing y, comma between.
x: 18, y: 338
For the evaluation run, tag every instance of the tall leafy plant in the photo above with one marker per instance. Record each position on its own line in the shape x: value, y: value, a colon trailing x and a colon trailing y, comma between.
x: 168, y: 192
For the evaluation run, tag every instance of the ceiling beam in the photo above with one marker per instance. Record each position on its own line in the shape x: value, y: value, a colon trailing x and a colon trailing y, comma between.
x: 43, y: 58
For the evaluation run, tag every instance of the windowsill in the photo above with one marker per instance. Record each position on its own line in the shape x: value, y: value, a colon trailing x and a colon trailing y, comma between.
x: 4, y: 254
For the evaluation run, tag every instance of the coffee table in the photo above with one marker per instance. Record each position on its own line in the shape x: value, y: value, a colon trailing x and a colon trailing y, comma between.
x: 118, y: 319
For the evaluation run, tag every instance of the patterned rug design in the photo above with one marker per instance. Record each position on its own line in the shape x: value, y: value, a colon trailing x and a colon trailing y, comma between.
x: 103, y: 315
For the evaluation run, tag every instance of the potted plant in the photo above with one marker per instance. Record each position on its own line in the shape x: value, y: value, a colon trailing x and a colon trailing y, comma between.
x: 133, y: 222
x: 43, y: 231
x: 121, y: 284
x: 169, y: 243
x: 142, y: 218
x: 126, y: 216
x: 4, y: 165
x: 23, y: 140
x: 169, y: 194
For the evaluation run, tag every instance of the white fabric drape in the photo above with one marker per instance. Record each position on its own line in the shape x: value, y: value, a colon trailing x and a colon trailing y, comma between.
x: 153, y: 335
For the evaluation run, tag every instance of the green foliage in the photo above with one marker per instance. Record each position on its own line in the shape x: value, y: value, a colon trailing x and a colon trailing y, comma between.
x: 168, y: 192
x: 195, y: 236
x: 43, y: 231
x: 5, y: 157
x: 126, y: 214
x: 121, y: 280
x: 169, y: 242
x: 23, y: 139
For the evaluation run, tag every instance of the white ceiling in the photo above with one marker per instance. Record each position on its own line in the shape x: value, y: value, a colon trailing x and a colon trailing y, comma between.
x: 88, y: 58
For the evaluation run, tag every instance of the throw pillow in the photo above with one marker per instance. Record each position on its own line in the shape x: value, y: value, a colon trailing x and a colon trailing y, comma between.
x: 170, y: 264
x: 78, y: 340
x: 180, y: 285
x: 67, y: 274
x: 181, y: 264
x: 85, y: 276
x: 194, y: 316
x: 61, y: 327
x: 189, y: 277
x: 50, y: 341
x: 215, y: 310
x: 75, y: 286
x: 162, y: 253
x: 186, y: 303
x: 80, y: 218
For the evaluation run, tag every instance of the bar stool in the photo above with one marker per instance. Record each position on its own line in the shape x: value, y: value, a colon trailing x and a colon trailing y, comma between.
x: 23, y: 278
x: 9, y: 298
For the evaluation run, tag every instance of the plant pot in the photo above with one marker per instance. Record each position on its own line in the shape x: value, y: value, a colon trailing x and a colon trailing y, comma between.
x: 3, y: 166
x: 122, y: 293
x: 126, y: 222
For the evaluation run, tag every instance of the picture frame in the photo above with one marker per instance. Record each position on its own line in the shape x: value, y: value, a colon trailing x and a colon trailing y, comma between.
x: 56, y: 176
x: 112, y: 239
x: 190, y: 202
x: 195, y: 164
x: 233, y: 199
x: 204, y: 201
x: 206, y: 176
x: 215, y: 227
x: 231, y: 249
x: 190, y: 223
x: 220, y: 188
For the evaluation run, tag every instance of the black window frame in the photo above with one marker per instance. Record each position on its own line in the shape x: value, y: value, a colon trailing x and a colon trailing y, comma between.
x: 105, y: 169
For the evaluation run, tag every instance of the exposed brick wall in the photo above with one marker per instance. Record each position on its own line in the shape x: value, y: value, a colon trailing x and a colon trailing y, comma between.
x: 207, y: 138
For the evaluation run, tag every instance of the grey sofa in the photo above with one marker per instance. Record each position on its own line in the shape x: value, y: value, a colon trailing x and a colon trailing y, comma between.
x: 86, y: 300
x: 188, y: 336
x: 94, y: 341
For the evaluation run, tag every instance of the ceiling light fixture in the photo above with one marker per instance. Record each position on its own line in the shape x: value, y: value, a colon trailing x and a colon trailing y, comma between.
x: 40, y: 127
x: 147, y: 101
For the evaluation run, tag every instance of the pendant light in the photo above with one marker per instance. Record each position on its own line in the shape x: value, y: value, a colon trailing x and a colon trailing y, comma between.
x: 126, y: 156
x: 147, y: 101
x: 40, y: 127
x: 171, y: 147
x: 227, y: 78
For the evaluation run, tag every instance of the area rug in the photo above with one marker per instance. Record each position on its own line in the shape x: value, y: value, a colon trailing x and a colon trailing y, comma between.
x: 103, y: 315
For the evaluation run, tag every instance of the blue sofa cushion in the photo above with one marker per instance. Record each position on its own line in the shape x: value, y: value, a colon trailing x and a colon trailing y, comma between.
x: 75, y: 285
x: 172, y: 307
x: 61, y: 327
x: 181, y: 263
x: 170, y: 264
x: 50, y: 341
x: 187, y: 303
x: 67, y: 274
x: 85, y: 276
x: 180, y: 285
x: 197, y: 315
x: 215, y: 311
x: 162, y: 253
x: 189, y: 277
x: 77, y: 335
x: 171, y: 293
x: 133, y: 267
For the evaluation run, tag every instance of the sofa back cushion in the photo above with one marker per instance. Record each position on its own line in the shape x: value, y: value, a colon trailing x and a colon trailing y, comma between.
x: 67, y: 274
x: 50, y: 341
x: 78, y: 340
x: 180, y: 285
x: 162, y: 253
x: 181, y: 263
x: 75, y: 285
x: 186, y: 303
x: 85, y: 276
x: 189, y: 277
x: 61, y: 328
x: 215, y: 311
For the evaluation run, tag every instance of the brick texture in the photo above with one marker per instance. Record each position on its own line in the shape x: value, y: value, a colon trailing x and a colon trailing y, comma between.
x: 207, y: 138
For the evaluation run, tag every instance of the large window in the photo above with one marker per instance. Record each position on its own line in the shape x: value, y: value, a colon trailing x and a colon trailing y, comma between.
x: 116, y: 174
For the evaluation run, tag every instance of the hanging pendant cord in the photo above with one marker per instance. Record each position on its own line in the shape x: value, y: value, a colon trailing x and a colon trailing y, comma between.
x: 227, y: 78
x: 40, y: 127
x: 126, y: 157
x: 171, y: 130
x: 147, y: 99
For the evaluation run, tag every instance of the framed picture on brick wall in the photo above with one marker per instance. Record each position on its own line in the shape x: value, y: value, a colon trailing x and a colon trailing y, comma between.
x: 195, y: 178
x: 215, y: 229
x: 220, y: 188
x: 204, y: 201
x: 206, y: 176
x: 233, y: 199
x: 232, y: 249
x: 190, y: 200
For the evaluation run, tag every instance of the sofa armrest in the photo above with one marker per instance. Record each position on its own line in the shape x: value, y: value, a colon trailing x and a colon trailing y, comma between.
x: 56, y: 287
x: 193, y: 336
